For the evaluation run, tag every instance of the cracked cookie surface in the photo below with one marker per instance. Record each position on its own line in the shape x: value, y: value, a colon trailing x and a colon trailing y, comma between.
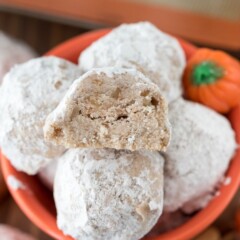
x: 111, y: 107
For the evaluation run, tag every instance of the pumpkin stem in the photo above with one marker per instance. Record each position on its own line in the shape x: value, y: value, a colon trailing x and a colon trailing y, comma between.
x: 206, y: 72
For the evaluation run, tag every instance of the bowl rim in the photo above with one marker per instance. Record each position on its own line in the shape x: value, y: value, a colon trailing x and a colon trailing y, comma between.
x: 31, y: 206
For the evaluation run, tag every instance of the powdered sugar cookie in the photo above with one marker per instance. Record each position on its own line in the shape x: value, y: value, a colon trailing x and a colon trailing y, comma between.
x: 29, y: 92
x: 10, y: 233
x: 108, y: 194
x: 111, y: 107
x: 12, y: 52
x: 144, y: 47
x: 202, y: 145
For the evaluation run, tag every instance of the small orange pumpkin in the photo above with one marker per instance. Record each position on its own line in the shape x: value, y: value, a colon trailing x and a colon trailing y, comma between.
x: 213, y: 79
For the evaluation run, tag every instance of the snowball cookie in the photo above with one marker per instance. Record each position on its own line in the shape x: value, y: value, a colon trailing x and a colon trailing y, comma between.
x: 10, y: 233
x: 201, y: 148
x: 47, y: 174
x: 29, y: 92
x: 12, y: 52
x: 111, y: 108
x: 144, y: 47
x: 108, y: 194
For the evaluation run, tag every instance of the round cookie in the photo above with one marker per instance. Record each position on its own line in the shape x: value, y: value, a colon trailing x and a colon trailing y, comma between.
x: 108, y: 194
x: 12, y: 52
x: 47, y: 174
x: 29, y: 92
x: 111, y: 108
x: 11, y: 233
x: 144, y: 47
x: 201, y: 147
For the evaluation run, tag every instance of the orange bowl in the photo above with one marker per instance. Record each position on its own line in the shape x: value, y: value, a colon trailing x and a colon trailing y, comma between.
x: 37, y: 202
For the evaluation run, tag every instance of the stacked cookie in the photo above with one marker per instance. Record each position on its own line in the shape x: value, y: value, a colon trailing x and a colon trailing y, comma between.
x: 106, y: 122
x: 116, y: 194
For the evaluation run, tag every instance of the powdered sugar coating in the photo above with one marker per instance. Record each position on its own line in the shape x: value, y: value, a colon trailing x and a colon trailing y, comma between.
x: 29, y: 92
x: 199, y: 153
x: 142, y: 46
x: 108, y: 194
x: 12, y: 52
x: 47, y: 174
x: 10, y: 233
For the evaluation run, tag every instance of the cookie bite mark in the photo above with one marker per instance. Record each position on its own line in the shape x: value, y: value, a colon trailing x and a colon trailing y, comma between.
x: 111, y: 108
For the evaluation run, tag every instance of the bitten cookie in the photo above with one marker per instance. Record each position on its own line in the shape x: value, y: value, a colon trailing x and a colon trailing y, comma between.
x: 110, y: 108
x: 144, y: 47
x: 202, y: 145
x: 108, y: 194
x: 10, y: 233
x: 12, y: 52
x: 29, y: 92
